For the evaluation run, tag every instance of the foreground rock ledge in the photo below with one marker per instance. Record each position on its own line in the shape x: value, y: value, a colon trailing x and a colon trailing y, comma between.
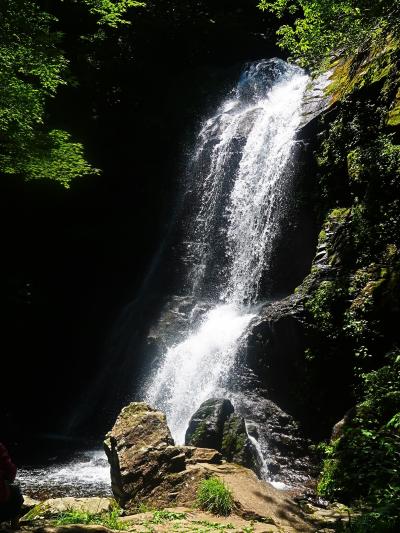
x: 147, y: 467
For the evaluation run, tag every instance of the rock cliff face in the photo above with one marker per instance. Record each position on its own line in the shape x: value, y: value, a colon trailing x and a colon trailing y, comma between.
x: 279, y: 347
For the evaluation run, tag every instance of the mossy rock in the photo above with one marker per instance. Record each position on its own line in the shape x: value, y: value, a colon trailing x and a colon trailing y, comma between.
x: 236, y: 445
x: 234, y: 437
x: 363, y: 69
x: 54, y: 506
x: 394, y: 112
x: 207, y: 424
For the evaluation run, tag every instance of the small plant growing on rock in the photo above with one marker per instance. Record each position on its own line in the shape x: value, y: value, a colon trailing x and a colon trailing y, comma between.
x: 214, y: 496
x: 108, y: 519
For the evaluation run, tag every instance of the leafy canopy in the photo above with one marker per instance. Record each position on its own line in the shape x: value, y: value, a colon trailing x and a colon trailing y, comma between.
x: 33, y: 66
x: 111, y: 13
x: 320, y: 27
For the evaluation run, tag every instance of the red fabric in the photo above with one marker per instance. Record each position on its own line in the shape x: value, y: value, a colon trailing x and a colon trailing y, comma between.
x: 8, y: 471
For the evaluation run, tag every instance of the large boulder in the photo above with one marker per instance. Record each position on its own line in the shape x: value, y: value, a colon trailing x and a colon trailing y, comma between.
x: 139, y: 448
x: 145, y: 464
x: 215, y: 425
x: 206, y: 427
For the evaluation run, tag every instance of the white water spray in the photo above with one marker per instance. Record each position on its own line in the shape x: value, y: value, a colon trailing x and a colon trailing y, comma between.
x: 241, y: 173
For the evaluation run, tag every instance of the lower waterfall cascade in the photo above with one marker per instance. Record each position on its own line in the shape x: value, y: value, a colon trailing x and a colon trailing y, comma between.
x: 239, y: 172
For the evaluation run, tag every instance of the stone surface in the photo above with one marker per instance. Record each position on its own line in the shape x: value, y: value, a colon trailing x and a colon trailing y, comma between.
x: 206, y: 427
x: 29, y: 503
x: 316, y: 100
x: 338, y: 428
x: 55, y: 506
x: 75, y: 528
x: 201, y: 455
x: 236, y: 446
x: 140, y: 451
x: 257, y: 500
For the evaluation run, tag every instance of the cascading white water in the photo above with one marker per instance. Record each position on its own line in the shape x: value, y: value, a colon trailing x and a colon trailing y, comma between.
x: 240, y: 169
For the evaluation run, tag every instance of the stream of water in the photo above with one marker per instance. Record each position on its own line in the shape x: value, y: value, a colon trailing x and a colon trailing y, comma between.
x: 240, y: 173
x: 239, y: 176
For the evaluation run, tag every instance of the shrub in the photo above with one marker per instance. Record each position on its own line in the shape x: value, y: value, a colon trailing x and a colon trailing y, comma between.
x: 362, y: 466
x: 214, y: 496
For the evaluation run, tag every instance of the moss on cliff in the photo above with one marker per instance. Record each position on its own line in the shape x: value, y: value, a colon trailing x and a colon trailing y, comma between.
x: 372, y: 65
x: 352, y: 295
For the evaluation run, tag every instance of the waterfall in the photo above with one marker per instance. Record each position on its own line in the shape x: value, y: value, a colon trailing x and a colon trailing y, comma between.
x: 237, y: 189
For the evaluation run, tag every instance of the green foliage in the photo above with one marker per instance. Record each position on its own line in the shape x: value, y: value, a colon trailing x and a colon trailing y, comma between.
x: 204, y: 526
x: 321, y: 27
x: 50, y: 155
x: 215, y: 497
x: 359, y: 162
x: 383, y: 519
x: 160, y: 517
x: 108, y: 519
x: 143, y: 508
x: 364, y: 462
x: 322, y: 303
x: 33, y: 66
x: 111, y: 13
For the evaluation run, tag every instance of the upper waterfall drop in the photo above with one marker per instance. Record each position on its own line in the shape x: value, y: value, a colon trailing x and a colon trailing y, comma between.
x: 239, y: 182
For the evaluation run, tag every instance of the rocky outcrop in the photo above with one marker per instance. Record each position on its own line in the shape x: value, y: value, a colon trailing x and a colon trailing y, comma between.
x: 276, y: 349
x: 160, y: 474
x: 279, y: 438
x: 316, y: 100
x: 340, y: 426
x: 145, y: 463
x: 278, y: 346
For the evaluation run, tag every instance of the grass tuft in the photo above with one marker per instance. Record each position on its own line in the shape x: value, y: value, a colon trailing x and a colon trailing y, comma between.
x: 214, y: 496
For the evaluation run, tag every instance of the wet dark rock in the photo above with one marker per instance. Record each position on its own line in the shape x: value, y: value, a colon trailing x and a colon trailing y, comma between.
x: 277, y: 345
x: 280, y: 437
x: 206, y: 427
x: 172, y: 325
x: 273, y: 468
x: 236, y: 445
x: 216, y: 424
x: 275, y: 353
